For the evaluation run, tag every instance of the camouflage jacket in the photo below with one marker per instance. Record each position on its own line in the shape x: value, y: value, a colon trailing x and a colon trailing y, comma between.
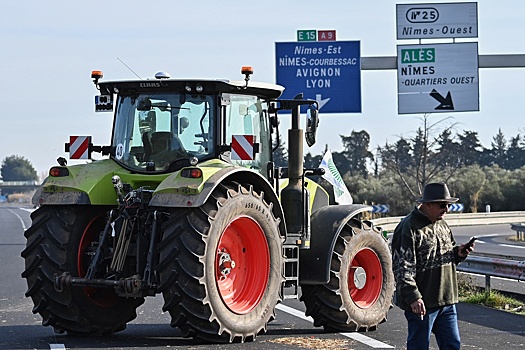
x: 424, y: 258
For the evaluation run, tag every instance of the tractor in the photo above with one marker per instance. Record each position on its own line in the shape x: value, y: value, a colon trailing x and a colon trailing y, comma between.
x: 187, y: 202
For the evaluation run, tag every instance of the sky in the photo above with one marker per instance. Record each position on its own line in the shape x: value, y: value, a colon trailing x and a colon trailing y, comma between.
x: 49, y: 48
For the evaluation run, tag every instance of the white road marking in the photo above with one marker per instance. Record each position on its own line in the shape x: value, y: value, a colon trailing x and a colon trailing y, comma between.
x: 19, y: 218
x: 57, y: 347
x: 360, y: 337
x: 512, y: 246
x: 294, y: 312
x: 499, y: 244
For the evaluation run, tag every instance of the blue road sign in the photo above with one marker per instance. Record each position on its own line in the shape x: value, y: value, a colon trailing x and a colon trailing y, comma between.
x: 328, y: 72
x: 380, y: 208
x: 456, y: 207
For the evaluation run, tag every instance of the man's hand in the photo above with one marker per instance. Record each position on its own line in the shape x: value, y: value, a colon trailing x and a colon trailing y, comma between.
x: 418, y: 307
x: 465, y: 249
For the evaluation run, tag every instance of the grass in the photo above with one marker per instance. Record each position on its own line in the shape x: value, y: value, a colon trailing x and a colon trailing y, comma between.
x: 470, y: 293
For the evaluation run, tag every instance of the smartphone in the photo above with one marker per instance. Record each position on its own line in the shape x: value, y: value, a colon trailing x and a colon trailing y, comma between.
x: 469, y: 244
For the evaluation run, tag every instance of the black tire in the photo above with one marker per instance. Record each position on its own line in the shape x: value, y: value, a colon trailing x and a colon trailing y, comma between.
x: 53, y: 243
x: 190, y: 274
x: 341, y: 304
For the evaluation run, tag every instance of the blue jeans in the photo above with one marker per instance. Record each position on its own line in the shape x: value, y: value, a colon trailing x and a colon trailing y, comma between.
x: 441, y: 321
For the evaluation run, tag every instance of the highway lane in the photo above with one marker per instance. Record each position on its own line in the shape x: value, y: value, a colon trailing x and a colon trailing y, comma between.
x: 492, y: 239
x: 481, y: 328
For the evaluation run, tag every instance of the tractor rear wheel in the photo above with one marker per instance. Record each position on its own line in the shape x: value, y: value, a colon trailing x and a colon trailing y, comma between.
x: 61, y: 239
x: 220, y: 266
x: 359, y: 293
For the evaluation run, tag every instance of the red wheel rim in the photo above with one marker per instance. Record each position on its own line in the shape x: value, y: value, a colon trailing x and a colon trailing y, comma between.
x: 365, y: 278
x: 103, y: 297
x: 242, y: 265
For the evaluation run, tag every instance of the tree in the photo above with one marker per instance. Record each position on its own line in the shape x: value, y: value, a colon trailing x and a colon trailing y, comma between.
x: 280, y: 154
x: 356, y: 152
x: 311, y: 161
x: 449, y: 154
x: 468, y: 184
x: 470, y: 148
x: 515, y: 153
x: 16, y: 168
x: 425, y: 157
x: 514, y: 190
x: 498, y: 153
x: 493, y: 193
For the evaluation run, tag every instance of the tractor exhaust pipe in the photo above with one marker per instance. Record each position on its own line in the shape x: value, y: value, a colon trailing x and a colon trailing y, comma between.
x: 292, y: 196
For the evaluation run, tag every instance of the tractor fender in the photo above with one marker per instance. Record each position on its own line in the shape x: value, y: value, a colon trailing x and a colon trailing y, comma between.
x: 326, y: 224
x: 236, y: 174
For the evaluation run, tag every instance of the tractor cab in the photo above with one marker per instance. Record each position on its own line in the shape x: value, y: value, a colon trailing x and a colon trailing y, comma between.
x: 165, y: 124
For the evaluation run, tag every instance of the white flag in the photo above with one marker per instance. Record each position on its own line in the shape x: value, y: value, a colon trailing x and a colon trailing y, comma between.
x: 342, y: 196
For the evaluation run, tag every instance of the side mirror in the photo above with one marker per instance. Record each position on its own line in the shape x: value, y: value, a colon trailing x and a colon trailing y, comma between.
x: 312, y: 121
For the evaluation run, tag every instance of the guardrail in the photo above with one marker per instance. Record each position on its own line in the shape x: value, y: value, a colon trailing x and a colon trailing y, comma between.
x: 520, y: 231
x: 465, y: 219
x: 493, y: 267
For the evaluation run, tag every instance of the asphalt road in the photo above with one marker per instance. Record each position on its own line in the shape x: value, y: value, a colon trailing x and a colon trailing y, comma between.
x: 492, y: 239
x: 481, y: 328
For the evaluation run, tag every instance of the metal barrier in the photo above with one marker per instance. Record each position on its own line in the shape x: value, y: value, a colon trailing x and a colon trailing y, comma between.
x: 465, y: 219
x: 520, y: 231
x: 497, y: 267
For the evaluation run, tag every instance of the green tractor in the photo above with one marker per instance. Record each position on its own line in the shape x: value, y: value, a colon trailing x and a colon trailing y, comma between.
x: 190, y: 204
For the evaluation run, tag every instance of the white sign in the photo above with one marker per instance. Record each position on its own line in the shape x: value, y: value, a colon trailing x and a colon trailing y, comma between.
x: 437, y: 78
x: 425, y: 21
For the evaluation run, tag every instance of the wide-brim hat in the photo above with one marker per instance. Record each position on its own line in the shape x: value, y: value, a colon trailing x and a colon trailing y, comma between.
x: 437, y: 192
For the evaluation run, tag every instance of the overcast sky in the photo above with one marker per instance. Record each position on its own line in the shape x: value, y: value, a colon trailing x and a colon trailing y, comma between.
x: 48, y: 49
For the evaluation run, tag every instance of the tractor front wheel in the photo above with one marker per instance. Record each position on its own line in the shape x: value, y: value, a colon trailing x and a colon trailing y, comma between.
x: 359, y: 293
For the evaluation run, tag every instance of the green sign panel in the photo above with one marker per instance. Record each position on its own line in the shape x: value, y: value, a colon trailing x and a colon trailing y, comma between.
x: 418, y: 55
x: 307, y: 35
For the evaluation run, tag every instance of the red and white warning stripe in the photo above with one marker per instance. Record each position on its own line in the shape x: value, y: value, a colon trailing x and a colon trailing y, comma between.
x: 79, y: 147
x: 242, y: 147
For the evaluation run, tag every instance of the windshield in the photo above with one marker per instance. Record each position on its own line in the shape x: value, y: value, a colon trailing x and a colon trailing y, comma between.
x: 154, y: 130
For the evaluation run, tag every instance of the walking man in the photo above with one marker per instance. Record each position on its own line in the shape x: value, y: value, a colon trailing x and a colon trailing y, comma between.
x: 425, y: 256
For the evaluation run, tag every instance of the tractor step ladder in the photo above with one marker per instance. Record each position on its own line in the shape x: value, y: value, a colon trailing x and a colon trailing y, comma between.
x: 290, y: 288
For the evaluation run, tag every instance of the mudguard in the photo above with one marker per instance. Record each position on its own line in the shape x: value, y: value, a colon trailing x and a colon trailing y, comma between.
x: 326, y: 224
x: 85, y: 184
x: 170, y: 194
x: 90, y: 184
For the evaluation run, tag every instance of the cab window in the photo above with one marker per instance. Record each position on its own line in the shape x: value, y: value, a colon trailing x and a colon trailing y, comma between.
x: 248, y: 115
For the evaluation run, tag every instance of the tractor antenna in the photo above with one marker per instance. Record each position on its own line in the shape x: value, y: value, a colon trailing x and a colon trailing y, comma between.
x: 132, y: 71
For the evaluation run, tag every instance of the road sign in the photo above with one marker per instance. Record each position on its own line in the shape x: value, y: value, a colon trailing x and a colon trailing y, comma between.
x: 380, y: 208
x: 426, y: 21
x: 326, y: 35
x: 437, y: 78
x: 456, y: 207
x: 307, y: 35
x: 326, y: 71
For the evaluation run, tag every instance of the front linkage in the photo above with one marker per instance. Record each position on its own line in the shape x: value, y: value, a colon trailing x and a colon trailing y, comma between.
x: 132, y: 225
